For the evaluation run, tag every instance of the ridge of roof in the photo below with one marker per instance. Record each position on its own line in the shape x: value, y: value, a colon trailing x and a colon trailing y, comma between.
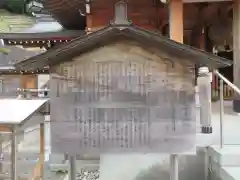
x: 80, y: 44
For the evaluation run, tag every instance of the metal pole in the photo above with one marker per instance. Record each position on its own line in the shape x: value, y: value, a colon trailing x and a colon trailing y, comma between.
x: 72, y: 167
x: 14, y: 153
x: 174, y: 167
x: 209, y: 167
x: 206, y: 163
x: 221, y: 113
x: 1, y: 151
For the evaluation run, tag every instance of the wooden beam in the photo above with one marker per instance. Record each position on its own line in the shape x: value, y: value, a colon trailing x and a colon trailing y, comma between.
x: 5, y: 128
x: 176, y: 20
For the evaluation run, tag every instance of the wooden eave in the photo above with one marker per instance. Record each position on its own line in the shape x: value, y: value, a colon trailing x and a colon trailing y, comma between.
x: 13, y: 71
x: 15, y: 55
x: 36, y: 42
x: 66, y: 12
x: 85, y: 43
x: 39, y: 36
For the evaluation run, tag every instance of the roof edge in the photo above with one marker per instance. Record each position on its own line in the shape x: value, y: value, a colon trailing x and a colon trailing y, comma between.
x: 79, y: 43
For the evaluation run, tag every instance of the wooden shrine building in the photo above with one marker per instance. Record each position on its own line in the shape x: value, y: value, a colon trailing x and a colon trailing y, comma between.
x: 202, y: 24
x: 198, y: 21
x: 122, y: 37
x: 40, y: 39
x: 11, y: 78
x: 122, y: 67
x: 125, y: 65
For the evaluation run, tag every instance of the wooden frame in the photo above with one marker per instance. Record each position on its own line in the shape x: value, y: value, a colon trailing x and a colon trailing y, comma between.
x: 38, y: 170
x: 14, y: 129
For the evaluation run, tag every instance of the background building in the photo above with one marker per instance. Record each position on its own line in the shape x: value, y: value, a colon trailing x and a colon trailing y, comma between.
x: 207, y: 25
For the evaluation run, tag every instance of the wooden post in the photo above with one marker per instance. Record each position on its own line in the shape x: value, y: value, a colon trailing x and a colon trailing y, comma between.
x: 236, y: 53
x: 14, y: 153
x: 176, y: 34
x: 42, y: 150
x: 89, y: 23
x: 3, y: 129
x: 176, y: 20
x: 202, y: 39
x: 38, y: 170
x: 88, y: 17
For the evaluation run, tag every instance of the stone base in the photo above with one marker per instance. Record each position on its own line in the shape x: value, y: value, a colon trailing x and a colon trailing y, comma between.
x: 236, y: 106
x: 206, y: 129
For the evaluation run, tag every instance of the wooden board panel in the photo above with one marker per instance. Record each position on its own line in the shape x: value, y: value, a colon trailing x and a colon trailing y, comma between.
x: 143, y: 14
x: 5, y: 128
x: 113, y: 71
x: 29, y: 81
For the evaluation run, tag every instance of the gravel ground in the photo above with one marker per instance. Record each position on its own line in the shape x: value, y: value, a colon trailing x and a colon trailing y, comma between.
x: 88, y: 175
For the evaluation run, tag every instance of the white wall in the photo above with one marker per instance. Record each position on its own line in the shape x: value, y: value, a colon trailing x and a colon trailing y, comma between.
x: 42, y: 79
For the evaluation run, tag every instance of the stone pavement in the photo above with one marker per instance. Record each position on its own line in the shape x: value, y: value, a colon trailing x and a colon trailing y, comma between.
x: 226, y: 160
x: 231, y: 127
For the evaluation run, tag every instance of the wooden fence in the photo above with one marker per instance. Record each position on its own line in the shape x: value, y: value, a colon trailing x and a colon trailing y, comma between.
x: 227, y: 90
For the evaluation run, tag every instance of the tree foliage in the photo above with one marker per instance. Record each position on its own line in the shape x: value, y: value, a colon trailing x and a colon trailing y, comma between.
x: 4, y: 51
x: 17, y: 6
x: 23, y: 6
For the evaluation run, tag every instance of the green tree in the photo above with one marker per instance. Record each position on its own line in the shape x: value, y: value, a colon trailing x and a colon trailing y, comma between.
x: 17, y: 6
x: 24, y: 6
x: 4, y: 51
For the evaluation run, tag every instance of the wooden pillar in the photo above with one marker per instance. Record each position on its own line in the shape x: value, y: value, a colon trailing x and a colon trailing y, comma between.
x: 202, y: 45
x: 42, y: 150
x: 236, y: 53
x: 202, y: 39
x: 176, y: 20
x: 176, y: 34
x: 88, y: 17
x: 2, y: 130
x: 89, y: 23
x: 38, y: 170
x: 14, y: 153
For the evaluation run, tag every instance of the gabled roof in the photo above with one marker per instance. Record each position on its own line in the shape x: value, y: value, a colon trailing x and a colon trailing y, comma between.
x: 85, y: 43
x: 10, y: 55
